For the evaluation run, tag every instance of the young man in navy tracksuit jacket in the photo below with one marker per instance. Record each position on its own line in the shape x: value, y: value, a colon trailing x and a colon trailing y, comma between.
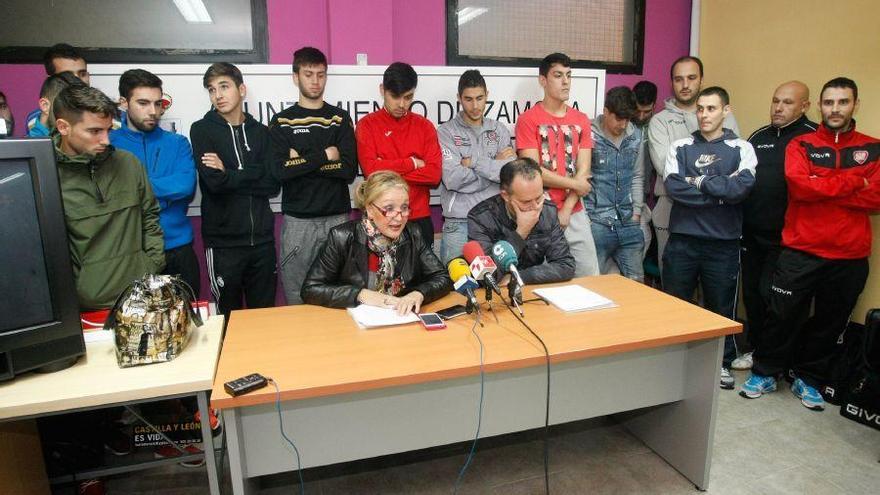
x: 707, y: 176
x: 168, y: 160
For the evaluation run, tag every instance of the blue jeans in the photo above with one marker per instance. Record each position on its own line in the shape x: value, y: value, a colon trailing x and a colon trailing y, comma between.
x: 713, y: 263
x: 454, y: 236
x: 624, y: 243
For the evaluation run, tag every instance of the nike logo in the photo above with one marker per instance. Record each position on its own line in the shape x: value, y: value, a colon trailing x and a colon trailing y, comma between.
x: 706, y: 160
x: 387, y: 133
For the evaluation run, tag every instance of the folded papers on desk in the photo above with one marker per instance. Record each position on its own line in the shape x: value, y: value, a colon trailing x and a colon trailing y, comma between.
x: 374, y: 316
x: 573, y: 298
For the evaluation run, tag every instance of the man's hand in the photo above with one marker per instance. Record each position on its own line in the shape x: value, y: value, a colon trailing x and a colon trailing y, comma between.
x: 466, y: 161
x: 211, y: 160
x: 581, y: 186
x: 525, y: 220
x: 417, y: 163
x: 564, y: 218
x: 637, y: 217
x: 505, y: 154
x: 332, y: 153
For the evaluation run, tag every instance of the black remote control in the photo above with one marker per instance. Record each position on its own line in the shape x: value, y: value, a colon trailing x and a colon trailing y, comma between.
x: 245, y: 384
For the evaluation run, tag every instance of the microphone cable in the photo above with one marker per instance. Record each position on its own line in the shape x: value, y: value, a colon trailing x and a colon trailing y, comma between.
x: 302, y: 485
x: 479, y: 411
x: 547, y: 405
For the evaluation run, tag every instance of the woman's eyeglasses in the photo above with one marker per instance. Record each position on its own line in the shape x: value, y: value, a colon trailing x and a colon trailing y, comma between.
x: 391, y: 212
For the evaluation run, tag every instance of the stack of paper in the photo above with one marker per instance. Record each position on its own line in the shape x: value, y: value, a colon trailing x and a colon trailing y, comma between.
x: 571, y: 298
x: 373, y: 316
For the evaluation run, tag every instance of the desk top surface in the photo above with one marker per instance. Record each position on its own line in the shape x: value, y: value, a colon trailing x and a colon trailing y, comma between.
x: 96, y: 379
x: 312, y: 351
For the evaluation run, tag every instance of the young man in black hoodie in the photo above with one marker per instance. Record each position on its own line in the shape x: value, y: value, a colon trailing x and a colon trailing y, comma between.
x: 315, y: 158
x: 232, y: 151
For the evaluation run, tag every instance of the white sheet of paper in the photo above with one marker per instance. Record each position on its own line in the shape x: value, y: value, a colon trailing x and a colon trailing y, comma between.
x: 373, y: 316
x: 572, y: 298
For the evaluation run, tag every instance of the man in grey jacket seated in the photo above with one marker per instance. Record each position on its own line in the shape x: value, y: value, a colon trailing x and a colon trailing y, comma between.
x: 520, y: 216
x: 474, y: 150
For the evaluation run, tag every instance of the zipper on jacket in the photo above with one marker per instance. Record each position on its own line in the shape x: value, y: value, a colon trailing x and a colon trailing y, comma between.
x: 251, y: 214
x: 156, y: 160
x: 95, y: 182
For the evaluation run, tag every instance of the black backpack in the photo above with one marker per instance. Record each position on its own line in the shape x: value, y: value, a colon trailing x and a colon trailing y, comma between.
x: 861, y: 397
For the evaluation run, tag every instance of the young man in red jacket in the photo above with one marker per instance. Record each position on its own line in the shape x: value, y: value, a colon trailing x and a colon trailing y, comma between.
x: 833, y: 178
x: 393, y: 138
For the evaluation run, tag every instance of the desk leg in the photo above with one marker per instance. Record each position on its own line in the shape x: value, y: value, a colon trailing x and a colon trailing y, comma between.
x: 683, y: 432
x: 241, y: 484
x: 208, y: 444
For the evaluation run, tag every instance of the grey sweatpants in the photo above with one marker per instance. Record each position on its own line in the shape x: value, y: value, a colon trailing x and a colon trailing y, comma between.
x: 301, y: 240
x: 579, y: 235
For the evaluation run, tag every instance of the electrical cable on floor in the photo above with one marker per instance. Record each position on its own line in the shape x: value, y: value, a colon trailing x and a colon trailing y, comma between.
x: 479, y: 411
x: 547, y: 406
x: 302, y: 485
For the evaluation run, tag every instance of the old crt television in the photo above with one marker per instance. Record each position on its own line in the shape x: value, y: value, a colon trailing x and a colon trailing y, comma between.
x: 39, y: 313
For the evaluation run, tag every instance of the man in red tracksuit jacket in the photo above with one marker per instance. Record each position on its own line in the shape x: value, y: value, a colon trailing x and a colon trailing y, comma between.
x: 833, y: 178
x: 393, y: 138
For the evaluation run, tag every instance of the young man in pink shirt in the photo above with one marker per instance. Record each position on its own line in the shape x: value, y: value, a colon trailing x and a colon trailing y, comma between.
x: 557, y: 136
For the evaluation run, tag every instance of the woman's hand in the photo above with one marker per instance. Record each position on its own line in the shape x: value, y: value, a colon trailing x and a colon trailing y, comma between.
x: 374, y: 298
x: 410, y: 302
x: 403, y: 305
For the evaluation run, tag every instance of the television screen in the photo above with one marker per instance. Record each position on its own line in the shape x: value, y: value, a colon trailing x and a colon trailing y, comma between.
x: 24, y: 285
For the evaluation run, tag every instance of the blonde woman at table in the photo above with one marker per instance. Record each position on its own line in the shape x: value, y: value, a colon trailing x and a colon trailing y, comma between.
x: 380, y: 260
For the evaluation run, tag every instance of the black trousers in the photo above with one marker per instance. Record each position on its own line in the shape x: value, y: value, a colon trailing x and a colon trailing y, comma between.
x: 427, y: 227
x: 794, y: 339
x: 760, y: 252
x: 242, y: 275
x: 182, y: 261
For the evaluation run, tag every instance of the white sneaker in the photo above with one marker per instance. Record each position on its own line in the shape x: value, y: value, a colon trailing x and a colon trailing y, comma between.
x: 743, y: 362
x: 726, y: 379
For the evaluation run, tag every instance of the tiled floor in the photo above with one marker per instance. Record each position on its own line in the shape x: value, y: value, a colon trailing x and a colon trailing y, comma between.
x: 768, y: 446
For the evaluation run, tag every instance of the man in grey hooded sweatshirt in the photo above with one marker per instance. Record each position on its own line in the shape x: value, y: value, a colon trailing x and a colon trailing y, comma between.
x: 474, y: 150
x: 678, y: 120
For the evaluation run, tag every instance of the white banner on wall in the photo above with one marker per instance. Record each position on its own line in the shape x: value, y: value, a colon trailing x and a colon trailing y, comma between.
x: 512, y: 91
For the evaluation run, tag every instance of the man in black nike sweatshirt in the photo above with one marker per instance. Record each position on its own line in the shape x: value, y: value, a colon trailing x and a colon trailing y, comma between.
x: 232, y: 151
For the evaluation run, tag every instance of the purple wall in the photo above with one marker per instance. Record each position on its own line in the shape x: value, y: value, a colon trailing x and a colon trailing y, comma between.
x: 412, y: 31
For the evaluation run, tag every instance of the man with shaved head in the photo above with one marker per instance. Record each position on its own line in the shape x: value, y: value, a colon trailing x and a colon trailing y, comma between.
x: 764, y: 210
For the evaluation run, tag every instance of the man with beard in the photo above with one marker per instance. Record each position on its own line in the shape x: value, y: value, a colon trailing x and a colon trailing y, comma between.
x: 678, y: 120
x: 474, y: 150
x: 111, y: 213
x: 315, y: 158
x: 833, y: 178
x: 168, y: 160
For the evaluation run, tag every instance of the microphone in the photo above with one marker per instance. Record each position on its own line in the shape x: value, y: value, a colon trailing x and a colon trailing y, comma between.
x: 464, y: 283
x: 482, y: 266
x: 505, y: 257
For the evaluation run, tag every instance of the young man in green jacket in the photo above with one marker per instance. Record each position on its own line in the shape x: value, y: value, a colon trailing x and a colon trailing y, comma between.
x: 111, y: 213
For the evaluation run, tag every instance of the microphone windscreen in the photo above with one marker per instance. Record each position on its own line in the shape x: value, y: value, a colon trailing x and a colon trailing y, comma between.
x: 458, y: 268
x: 504, y: 255
x: 471, y: 250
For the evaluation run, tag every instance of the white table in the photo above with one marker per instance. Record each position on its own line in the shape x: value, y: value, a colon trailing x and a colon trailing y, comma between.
x: 96, y: 381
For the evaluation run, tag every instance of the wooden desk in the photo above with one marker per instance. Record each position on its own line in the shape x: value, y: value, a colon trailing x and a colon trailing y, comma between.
x: 96, y: 381
x: 350, y: 393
